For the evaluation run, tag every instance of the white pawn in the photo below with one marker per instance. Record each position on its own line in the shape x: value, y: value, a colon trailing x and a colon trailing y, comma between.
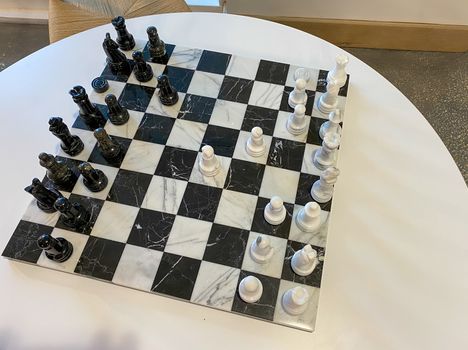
x: 302, y: 73
x: 308, y: 219
x: 332, y: 126
x: 255, y: 145
x: 339, y: 72
x: 329, y: 100
x: 295, y: 300
x: 208, y: 163
x: 325, y: 156
x: 297, y: 122
x: 275, y: 212
x: 250, y: 289
x: 261, y: 250
x: 298, y: 95
x: 304, y: 261
x: 322, y: 189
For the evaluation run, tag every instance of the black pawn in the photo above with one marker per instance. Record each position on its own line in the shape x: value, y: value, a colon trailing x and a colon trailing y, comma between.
x: 71, y: 144
x: 45, y: 198
x: 143, y: 71
x: 116, y: 59
x: 109, y: 148
x: 156, y: 46
x: 73, y: 215
x: 124, y: 38
x: 88, y: 111
x: 57, y: 172
x: 56, y: 249
x: 94, y: 179
x: 118, y: 115
x: 167, y: 94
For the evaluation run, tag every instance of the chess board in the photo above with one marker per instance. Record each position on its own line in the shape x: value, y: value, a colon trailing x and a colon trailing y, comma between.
x: 160, y: 226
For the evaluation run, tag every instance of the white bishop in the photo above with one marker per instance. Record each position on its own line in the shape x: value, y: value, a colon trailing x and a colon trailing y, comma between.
x: 261, y: 250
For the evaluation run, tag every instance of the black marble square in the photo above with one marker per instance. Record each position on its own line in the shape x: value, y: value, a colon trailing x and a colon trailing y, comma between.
x: 322, y: 84
x: 223, y: 140
x: 236, y: 89
x: 67, y: 187
x: 286, y: 154
x: 272, y: 72
x: 263, y: 308
x: 260, y: 225
x: 284, y: 106
x: 136, y: 97
x: 161, y: 60
x: 80, y: 123
x: 314, y: 279
x: 226, y: 245
x: 154, y: 128
x: 100, y: 258
x: 176, y: 276
x: 197, y: 108
x: 129, y: 187
x: 23, y: 243
x: 179, y: 78
x: 313, y: 136
x: 244, y: 176
x: 260, y: 116
x: 303, y: 189
x: 92, y: 205
x: 151, y: 229
x: 214, y: 62
x: 122, y: 77
x: 200, y: 202
x: 97, y: 157
x: 176, y: 163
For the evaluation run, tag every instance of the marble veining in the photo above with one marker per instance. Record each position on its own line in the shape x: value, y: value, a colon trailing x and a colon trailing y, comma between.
x: 236, y: 89
x: 215, y: 181
x: 266, y: 95
x: 279, y: 182
x: 236, y: 209
x: 186, y: 134
x: 286, y: 154
x: 197, y: 108
x: 176, y: 163
x: 200, y: 202
x: 185, y: 57
x: 205, y: 84
x: 164, y: 194
x: 228, y: 114
x: 142, y: 157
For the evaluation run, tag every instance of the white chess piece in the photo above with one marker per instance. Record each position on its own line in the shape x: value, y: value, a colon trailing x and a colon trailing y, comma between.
x: 329, y: 100
x: 322, y: 189
x: 304, y: 261
x: 308, y: 219
x: 295, y: 300
x: 255, y: 145
x: 339, y: 72
x: 325, y: 156
x: 208, y: 163
x: 297, y: 122
x: 261, y: 250
x: 302, y: 73
x: 250, y: 289
x: 298, y: 95
x: 275, y: 212
x: 332, y: 126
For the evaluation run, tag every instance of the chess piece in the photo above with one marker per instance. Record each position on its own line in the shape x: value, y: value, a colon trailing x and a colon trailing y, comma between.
x: 304, y: 261
x: 143, y: 71
x: 298, y: 95
x: 274, y: 211
x: 116, y: 59
x: 167, y: 94
x: 73, y: 215
x: 100, y: 85
x: 57, y: 171
x: 71, y: 144
x: 56, y: 249
x: 297, y: 122
x: 45, y: 197
x: 329, y: 100
x: 255, y: 145
x: 156, y: 46
x: 208, y: 162
x: 88, y: 111
x: 109, y: 148
x: 250, y: 289
x: 325, y: 156
x: 124, y: 38
x: 302, y: 73
x: 295, y: 301
x: 94, y: 179
x: 308, y: 219
x: 261, y: 250
x: 322, y: 189
x: 332, y: 126
x: 338, y: 73
x: 118, y: 115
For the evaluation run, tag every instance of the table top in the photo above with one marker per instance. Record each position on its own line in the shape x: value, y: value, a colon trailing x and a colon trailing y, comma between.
x: 397, y: 256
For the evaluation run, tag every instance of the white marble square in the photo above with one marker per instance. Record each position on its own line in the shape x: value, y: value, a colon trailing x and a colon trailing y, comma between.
x: 281, y: 130
x: 186, y: 134
x: 319, y: 238
x: 228, y: 114
x: 137, y: 267
x: 164, y: 194
x: 315, y: 111
x: 311, y: 84
x: 156, y: 107
x: 215, y: 286
x: 128, y: 129
x: 308, y: 166
x: 241, y: 153
x: 266, y: 95
x: 236, y: 209
x: 214, y: 181
x: 142, y: 157
x: 205, y: 84
x: 279, y: 182
x: 88, y: 140
x: 243, y: 67
x: 110, y: 172
x: 115, y: 221
x: 115, y: 88
x: 188, y: 237
x: 157, y: 68
x: 185, y: 57
x: 34, y: 214
x: 274, y: 267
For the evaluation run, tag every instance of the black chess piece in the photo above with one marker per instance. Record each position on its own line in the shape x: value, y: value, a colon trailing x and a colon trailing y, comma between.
x: 45, y: 197
x: 156, y: 46
x: 57, y: 171
x: 100, y: 85
x: 124, y: 38
x: 88, y: 111
x: 118, y: 115
x: 167, y: 94
x: 73, y: 215
x: 110, y: 149
x: 94, y: 179
x: 71, y: 144
x: 56, y: 249
x: 116, y: 59
x: 143, y: 71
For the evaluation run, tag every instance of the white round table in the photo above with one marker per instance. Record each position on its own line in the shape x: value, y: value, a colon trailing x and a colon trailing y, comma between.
x: 396, y: 272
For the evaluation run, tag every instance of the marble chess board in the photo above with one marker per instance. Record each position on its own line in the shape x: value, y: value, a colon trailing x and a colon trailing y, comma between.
x: 160, y: 226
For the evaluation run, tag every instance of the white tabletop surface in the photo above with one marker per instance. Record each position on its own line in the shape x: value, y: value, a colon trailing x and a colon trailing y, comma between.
x: 396, y: 272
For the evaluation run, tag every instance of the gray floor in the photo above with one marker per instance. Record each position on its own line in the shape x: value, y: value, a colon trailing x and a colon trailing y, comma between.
x: 437, y: 83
